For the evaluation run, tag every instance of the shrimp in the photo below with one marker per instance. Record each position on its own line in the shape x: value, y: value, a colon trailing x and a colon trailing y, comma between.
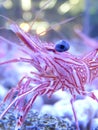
x: 55, y: 69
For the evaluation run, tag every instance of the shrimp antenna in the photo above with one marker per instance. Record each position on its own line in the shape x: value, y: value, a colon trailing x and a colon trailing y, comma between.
x: 59, y: 23
x: 46, y: 4
x: 6, y: 18
x: 51, y: 27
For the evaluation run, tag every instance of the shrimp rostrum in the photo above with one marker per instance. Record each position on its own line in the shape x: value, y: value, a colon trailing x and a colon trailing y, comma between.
x: 55, y: 68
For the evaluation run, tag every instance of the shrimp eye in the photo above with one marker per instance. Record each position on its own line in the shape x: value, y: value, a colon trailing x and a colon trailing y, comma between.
x: 62, y: 46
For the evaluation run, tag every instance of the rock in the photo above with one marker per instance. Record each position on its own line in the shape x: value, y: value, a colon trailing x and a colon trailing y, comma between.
x: 49, y: 109
x: 86, y: 109
x: 38, y: 103
x: 3, y: 92
x: 94, y: 124
x: 62, y: 95
x: 63, y: 109
x: 56, y: 97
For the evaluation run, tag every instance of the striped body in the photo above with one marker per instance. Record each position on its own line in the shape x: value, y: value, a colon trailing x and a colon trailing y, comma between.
x: 70, y: 72
x: 54, y: 71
